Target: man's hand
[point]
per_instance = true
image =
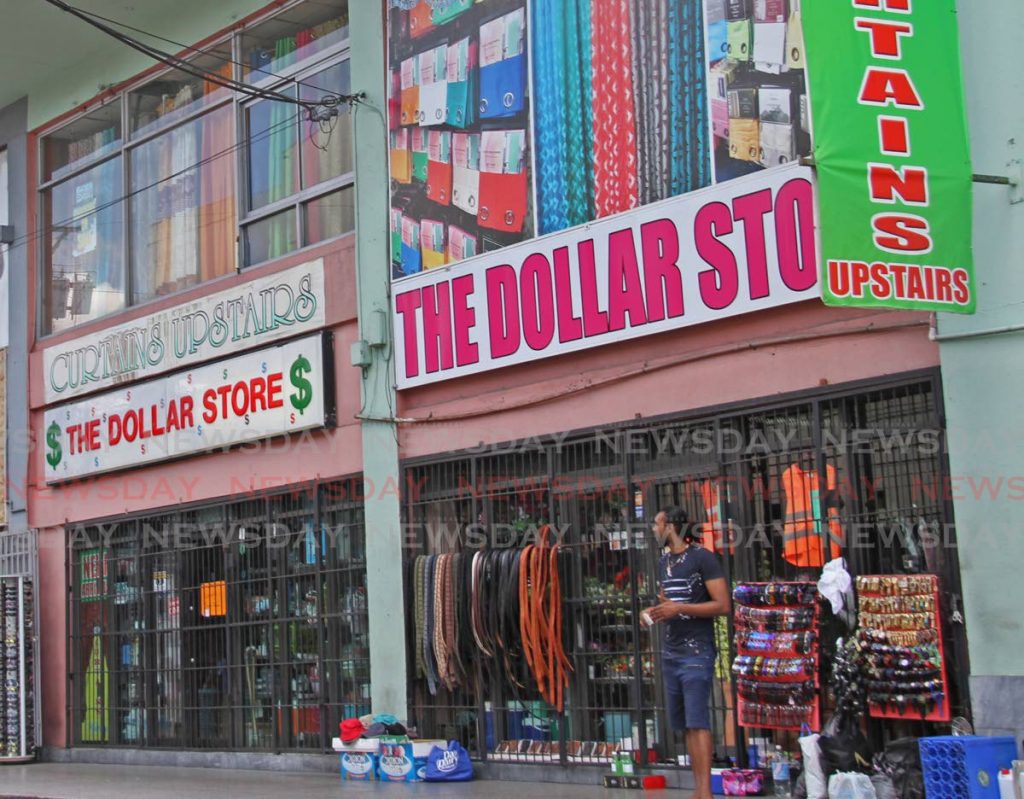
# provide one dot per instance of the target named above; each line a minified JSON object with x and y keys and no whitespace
{"x":665,"y":610}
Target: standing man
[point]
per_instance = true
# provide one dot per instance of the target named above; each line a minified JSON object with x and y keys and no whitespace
{"x":693,"y":592}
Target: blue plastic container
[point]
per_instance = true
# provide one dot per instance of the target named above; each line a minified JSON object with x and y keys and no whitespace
{"x":965,"y":766}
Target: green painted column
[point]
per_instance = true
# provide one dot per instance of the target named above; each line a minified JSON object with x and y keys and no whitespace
{"x":380,"y":444}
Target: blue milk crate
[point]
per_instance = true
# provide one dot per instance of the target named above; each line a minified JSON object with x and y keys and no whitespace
{"x":965,"y":766}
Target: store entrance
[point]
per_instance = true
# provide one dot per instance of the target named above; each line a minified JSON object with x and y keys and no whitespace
{"x":775,"y":490}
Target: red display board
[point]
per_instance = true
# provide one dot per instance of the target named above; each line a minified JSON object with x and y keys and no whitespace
{"x":777,"y":655}
{"x":901,"y":612}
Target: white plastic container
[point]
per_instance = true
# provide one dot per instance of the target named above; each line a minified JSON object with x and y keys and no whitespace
{"x":1006,"y":784}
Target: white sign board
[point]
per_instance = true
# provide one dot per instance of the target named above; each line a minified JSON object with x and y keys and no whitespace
{"x":277,"y":390}
{"x":743,"y":246}
{"x":240,"y":318}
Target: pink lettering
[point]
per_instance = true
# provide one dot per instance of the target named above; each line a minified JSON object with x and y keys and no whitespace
{"x":502,"y":310}
{"x":720,"y":284}
{"x":625,"y":292}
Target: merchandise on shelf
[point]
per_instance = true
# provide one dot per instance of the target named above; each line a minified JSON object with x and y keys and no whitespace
{"x":901,"y":647}
{"x":776,"y":664}
{"x":17,"y":711}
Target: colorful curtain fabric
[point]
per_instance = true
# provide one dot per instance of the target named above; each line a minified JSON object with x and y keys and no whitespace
{"x":620,"y":106}
{"x":690,"y":167}
{"x":563,"y":110}
{"x":281,"y":164}
{"x":615,"y":156}
{"x":217,"y":191}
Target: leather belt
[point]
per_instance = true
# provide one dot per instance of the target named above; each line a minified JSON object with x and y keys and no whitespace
{"x":504,"y":604}
{"x":540,"y":620}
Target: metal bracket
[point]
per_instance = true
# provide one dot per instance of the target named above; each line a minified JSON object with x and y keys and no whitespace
{"x":1015,"y":168}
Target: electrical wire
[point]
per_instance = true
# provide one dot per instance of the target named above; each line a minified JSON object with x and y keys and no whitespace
{"x":328,"y":101}
{"x":199,"y":50}
{"x":178,"y":63}
{"x":266,"y":133}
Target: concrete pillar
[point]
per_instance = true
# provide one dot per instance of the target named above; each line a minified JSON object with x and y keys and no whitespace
{"x":380,"y":445}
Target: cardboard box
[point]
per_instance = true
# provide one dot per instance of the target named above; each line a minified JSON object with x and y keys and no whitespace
{"x":371,"y":745}
{"x":397,"y":763}
{"x":359,"y":766}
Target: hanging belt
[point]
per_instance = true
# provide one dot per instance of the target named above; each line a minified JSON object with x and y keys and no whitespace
{"x":440,"y":598}
{"x":540,"y":621}
{"x":456,"y":613}
{"x":418,"y":586}
{"x":428,"y":632}
{"x":476,"y":604}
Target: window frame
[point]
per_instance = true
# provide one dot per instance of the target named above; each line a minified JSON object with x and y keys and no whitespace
{"x":312,"y":64}
{"x":247,"y":217}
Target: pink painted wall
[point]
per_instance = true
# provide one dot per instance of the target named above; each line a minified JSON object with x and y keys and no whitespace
{"x":796,"y":347}
{"x":323,"y":454}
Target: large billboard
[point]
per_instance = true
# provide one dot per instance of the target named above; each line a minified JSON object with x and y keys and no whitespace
{"x":516,"y":118}
{"x":520,"y":120}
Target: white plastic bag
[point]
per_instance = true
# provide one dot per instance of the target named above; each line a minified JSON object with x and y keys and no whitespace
{"x":814,"y":777}
{"x":850,"y":785}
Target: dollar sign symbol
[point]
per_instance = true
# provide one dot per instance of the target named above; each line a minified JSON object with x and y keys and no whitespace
{"x":53,"y":442}
{"x":304,"y":394}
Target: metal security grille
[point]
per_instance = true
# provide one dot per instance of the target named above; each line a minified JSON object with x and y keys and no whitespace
{"x":876,"y":451}
{"x":236,"y":626}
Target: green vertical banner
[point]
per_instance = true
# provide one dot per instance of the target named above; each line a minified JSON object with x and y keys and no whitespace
{"x":891,"y":153}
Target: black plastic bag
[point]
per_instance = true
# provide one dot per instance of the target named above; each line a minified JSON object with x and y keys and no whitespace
{"x":844,"y":747}
{"x":901,"y":763}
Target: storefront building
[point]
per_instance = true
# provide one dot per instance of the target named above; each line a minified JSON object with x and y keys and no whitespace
{"x":348,"y":291}
{"x":197,"y":484}
{"x":606,"y":301}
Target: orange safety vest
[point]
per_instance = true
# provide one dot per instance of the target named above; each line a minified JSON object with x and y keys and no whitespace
{"x":711,"y":530}
{"x":801,"y":530}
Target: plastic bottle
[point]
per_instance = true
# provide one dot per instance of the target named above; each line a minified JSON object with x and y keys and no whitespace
{"x":780,"y":772}
{"x":1006,"y":784}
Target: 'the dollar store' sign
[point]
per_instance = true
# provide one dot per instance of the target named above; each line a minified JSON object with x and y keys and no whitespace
{"x":270,"y":392}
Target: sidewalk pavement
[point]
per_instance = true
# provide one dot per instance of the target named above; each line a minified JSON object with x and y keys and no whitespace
{"x":91,"y":781}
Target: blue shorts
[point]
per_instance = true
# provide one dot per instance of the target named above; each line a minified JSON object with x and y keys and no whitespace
{"x":689,"y":673}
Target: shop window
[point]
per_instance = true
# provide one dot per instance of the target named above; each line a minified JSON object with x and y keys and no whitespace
{"x":239,"y":626}
{"x":84,"y":274}
{"x":292,"y":161}
{"x":183,"y":215}
{"x":89,"y":138}
{"x":271,"y":237}
{"x":330,"y":215}
{"x":293,"y":38}
{"x":171,"y":149}
{"x":175,"y":95}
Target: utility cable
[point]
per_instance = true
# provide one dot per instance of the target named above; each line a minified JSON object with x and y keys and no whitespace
{"x":328,"y":101}
{"x":266,"y":133}
{"x":199,"y":50}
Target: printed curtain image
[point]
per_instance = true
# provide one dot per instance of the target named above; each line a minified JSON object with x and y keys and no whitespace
{"x":891,"y":154}
{"x":515,"y":118}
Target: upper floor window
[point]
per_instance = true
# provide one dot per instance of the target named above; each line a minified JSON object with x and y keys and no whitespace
{"x":179,"y":179}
